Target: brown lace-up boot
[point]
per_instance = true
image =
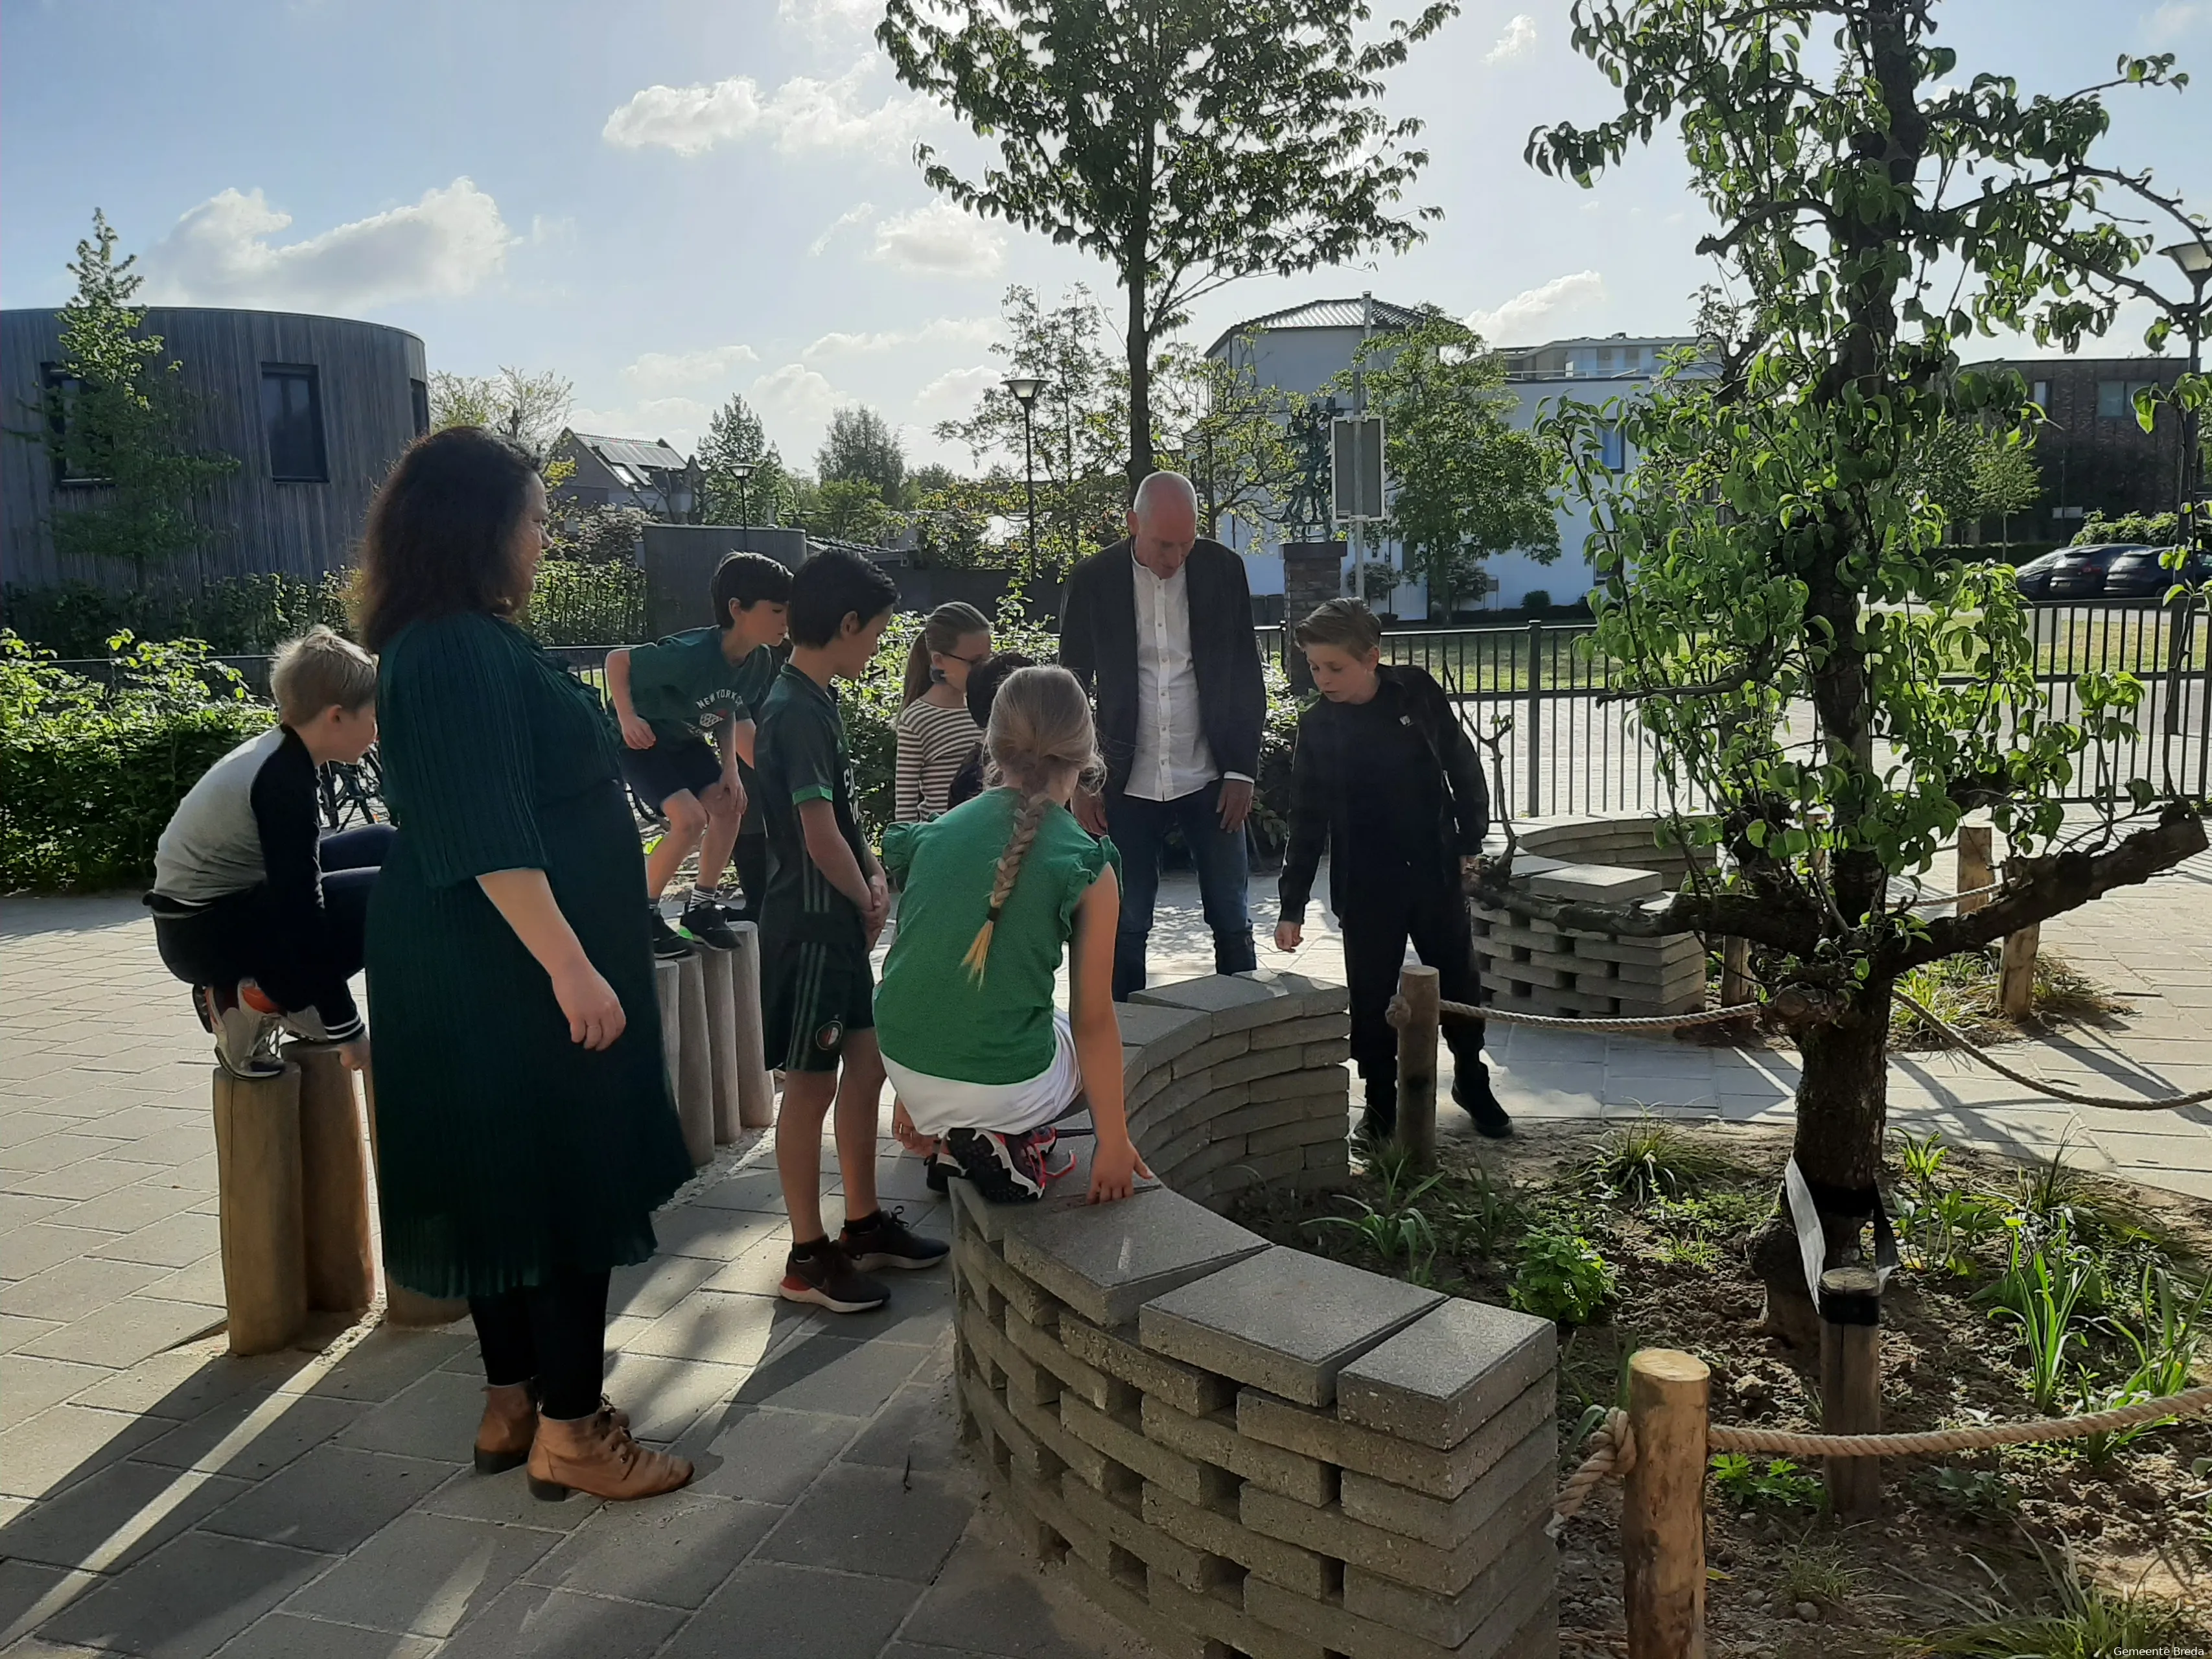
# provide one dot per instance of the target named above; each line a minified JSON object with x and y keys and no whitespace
{"x":597,"y":1455}
{"x":510,"y":1424}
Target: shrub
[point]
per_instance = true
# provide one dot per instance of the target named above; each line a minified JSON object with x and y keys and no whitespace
{"x":89,"y":774}
{"x":575,"y":603}
{"x":237,"y":616}
{"x":1536,"y":599}
{"x":2157,"y":529}
{"x":1561,"y":1276}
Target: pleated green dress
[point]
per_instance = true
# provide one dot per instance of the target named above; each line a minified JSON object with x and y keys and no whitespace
{"x":506,"y":1151}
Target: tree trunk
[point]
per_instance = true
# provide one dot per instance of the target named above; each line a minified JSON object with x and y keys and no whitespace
{"x":1843,"y":1098}
{"x":1140,"y":385}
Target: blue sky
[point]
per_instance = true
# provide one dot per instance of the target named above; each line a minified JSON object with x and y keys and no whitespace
{"x":669,"y":201}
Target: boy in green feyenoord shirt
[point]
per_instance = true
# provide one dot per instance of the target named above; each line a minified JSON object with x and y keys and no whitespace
{"x":667,"y":695}
{"x":826,"y":903}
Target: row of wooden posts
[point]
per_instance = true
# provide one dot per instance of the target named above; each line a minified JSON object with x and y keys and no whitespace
{"x":294,"y":1165}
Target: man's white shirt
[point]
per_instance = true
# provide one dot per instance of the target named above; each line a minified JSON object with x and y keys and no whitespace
{"x":1172,"y":757}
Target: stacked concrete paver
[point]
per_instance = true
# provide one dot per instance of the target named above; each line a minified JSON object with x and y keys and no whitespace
{"x":1237,"y":1448}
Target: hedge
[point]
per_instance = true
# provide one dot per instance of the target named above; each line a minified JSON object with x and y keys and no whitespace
{"x":89,"y":775}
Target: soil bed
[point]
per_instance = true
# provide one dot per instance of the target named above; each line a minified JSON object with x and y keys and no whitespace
{"x":1971,"y":1537}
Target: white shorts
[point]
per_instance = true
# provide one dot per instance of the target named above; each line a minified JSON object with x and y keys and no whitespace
{"x":939,"y":1105}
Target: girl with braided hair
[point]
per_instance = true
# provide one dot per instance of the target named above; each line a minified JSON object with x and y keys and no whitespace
{"x":993,"y":893}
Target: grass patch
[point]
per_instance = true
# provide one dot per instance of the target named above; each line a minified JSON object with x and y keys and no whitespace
{"x":1651,"y":1160}
{"x":2073,"y":1617}
{"x":1962,"y":992}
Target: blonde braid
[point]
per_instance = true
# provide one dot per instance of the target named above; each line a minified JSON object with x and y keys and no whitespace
{"x":1026,"y":824}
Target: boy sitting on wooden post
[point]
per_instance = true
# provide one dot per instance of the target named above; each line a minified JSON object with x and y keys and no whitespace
{"x":253,"y":906}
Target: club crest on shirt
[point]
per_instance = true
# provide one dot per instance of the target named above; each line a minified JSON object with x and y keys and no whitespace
{"x":829,"y":1036}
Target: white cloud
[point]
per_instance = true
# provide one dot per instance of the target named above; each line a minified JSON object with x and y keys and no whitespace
{"x":659,"y":371}
{"x":941,"y":239}
{"x":794,"y":395}
{"x":221,"y":252}
{"x":852,"y":215}
{"x":953,"y":394}
{"x":829,"y":21}
{"x":802,"y":114}
{"x":960,"y":330}
{"x":1532,"y":308}
{"x":1519,"y":36}
{"x":2175,"y":19}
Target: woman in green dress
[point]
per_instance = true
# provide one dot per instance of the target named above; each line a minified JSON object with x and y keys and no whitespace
{"x":525,"y":1134}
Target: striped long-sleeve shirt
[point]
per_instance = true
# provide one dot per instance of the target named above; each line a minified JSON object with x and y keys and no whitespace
{"x":932,"y":742}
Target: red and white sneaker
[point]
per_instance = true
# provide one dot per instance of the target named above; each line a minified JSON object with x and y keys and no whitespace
{"x":245,"y":1036}
{"x":1007,"y":1169}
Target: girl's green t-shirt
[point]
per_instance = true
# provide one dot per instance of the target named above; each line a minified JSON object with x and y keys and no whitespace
{"x":930,"y":1014}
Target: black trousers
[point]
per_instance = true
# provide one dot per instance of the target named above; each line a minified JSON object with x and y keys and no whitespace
{"x":1381,"y":914}
{"x":750,"y":858}
{"x":242,"y":935}
{"x":553,"y":1335}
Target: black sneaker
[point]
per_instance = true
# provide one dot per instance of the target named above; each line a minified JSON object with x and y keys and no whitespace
{"x":942,"y":1167}
{"x":1471,"y":1092}
{"x":827,"y":1278}
{"x":885,"y":1240}
{"x":668,"y":945}
{"x":707,"y":921}
{"x":1006,"y":1169}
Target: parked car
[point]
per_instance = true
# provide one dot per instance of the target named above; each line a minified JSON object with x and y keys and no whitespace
{"x":2034,"y":578}
{"x":2140,"y":573}
{"x":2079,"y":572}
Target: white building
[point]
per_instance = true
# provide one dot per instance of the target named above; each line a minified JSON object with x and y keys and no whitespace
{"x":1300,"y":351}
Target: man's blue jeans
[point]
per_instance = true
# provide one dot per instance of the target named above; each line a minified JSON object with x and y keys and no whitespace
{"x":1140,"y":828}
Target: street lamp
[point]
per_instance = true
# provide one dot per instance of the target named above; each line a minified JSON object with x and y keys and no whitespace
{"x":742,"y":470}
{"x":1025,"y":388}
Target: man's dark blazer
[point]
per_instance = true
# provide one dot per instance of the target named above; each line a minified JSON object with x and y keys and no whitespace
{"x":1098,"y":643}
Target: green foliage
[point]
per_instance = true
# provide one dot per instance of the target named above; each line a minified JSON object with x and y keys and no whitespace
{"x":578,"y":604}
{"x":1560,"y":1275}
{"x":1983,"y":1492}
{"x":1185,"y":144}
{"x":1396,"y":1230}
{"x":1782,"y":1482}
{"x":2074,"y":1616}
{"x":2151,"y":529}
{"x":2165,"y":1331}
{"x":88,"y":776}
{"x":2044,"y":1288}
{"x":860,"y":444}
{"x":1817,"y":1573}
{"x":734,"y":438}
{"x":1651,"y":1159}
{"x":117,"y":422}
{"x":1875,"y":203}
{"x":235,"y":617}
{"x":599,"y":535}
{"x":848,"y":509}
{"x":1469,"y":485}
{"x":531,"y":409}
{"x":1972,"y":470}
{"x":1478,"y":1222}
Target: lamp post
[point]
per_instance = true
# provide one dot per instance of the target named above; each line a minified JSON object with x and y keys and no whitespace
{"x":1025,"y":388}
{"x":742,"y":470}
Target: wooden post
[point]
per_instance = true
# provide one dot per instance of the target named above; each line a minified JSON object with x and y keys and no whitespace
{"x":668,"y":989}
{"x":1663,"y":1512}
{"x":1850,"y":1384}
{"x":756,"y":1090}
{"x":2016,"y":973}
{"x":1416,"y":1065}
{"x":1735,"y":972}
{"x":341,"y":1256}
{"x":695,"y":1068}
{"x":1974,"y":869}
{"x":256,"y":1152}
{"x":722,"y":1041}
{"x":410,"y":1310}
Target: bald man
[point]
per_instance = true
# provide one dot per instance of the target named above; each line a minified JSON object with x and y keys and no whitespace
{"x":1159,"y":626}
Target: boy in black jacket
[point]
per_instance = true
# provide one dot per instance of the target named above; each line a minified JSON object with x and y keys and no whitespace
{"x":1386,"y":777}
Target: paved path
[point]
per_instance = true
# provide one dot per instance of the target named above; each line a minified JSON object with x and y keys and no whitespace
{"x":158,"y":1498}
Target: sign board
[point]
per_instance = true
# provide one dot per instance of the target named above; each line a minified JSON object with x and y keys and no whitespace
{"x":1355,"y":476}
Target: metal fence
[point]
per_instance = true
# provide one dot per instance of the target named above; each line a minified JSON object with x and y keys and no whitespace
{"x":1568,"y":742}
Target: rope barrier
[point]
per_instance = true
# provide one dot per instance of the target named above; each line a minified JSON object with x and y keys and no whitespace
{"x":1614,"y":1443}
{"x":2055,"y":1091}
{"x":1397,"y":1014}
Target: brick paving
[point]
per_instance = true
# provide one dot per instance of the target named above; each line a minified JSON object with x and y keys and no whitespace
{"x":159,"y":1498}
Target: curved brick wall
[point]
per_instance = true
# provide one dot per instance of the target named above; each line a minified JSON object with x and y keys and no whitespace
{"x":1236,"y":1448}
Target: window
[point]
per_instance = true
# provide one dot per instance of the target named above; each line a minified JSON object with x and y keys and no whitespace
{"x":292,"y":416}
{"x":418,"y":394}
{"x":2039,"y":394}
{"x":1614,"y":452}
{"x":2116,"y":399}
{"x":62,"y":390}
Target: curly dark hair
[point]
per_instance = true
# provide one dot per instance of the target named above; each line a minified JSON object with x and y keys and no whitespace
{"x":441,"y":534}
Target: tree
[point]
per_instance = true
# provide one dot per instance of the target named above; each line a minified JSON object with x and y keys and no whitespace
{"x":1972,"y":470}
{"x":1185,"y":143}
{"x":1877,"y":204}
{"x":531,"y":409}
{"x":849,"y":510}
{"x":1467,"y":484}
{"x":735,"y":437}
{"x":114,"y":419}
{"x":600,"y":535}
{"x":861,"y":444}
{"x":1229,"y":433}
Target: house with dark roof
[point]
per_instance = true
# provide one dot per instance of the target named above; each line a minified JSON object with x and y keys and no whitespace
{"x":648,"y":474}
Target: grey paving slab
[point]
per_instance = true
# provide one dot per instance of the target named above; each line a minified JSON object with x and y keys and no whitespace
{"x":841,"y":1377}
{"x":17,"y":1333}
{"x":75,"y":1286}
{"x":200,"y":1284}
{"x":186,"y":1599}
{"x":28,"y":1386}
{"x":424,"y":1574}
{"x":672,"y":1551}
{"x":506,"y":1499}
{"x":112,"y":1518}
{"x":713,"y":1235}
{"x":768,"y":1456}
{"x":729,"y":1330}
{"x":666,"y":1397}
{"x":652,"y":1288}
{"x":795,"y":1613}
{"x":915,"y":1430}
{"x":1438,"y":1379}
{"x":1284,"y":1320}
{"x":64,"y":1443}
{"x":988,"y":1601}
{"x":555,"y":1624}
{"x":42,"y":1245}
{"x":125,"y":1332}
{"x":295,"y":1425}
{"x":175,"y":1241}
{"x":390,"y":1359}
{"x":288,"y":1636}
{"x":1105,"y":1260}
{"x":87,"y":1178}
{"x":860,"y":1519}
{"x":330,"y":1500}
{"x":435,"y":1416}
{"x":183,"y":1383}
{"x":23,"y":1584}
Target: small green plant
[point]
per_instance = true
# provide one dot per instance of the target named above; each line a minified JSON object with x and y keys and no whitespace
{"x":1817,"y":1573}
{"x":2072,"y":1618}
{"x":1983,"y":1492}
{"x":2170,"y":1319}
{"x":1560,"y":1276}
{"x":1742,"y":1482}
{"x":1393,"y":1235}
{"x":1480,"y":1216}
{"x":2042,"y":1290}
{"x":1649,"y":1160}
